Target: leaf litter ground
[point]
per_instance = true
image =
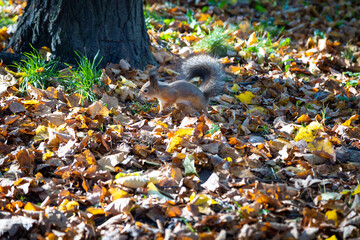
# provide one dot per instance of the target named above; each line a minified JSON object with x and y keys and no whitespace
{"x":278,"y":158}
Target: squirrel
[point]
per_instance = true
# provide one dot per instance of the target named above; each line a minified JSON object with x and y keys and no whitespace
{"x":206,"y":67}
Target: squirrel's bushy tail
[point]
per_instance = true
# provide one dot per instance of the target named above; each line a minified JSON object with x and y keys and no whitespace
{"x":209,"y":69}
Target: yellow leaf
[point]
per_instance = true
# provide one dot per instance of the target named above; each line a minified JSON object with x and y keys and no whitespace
{"x":307,"y":133}
{"x":245,"y":97}
{"x":47,"y":155}
{"x":174,"y":141}
{"x":119,"y":193}
{"x":322,"y":145}
{"x":255,"y":110}
{"x":152,"y":187}
{"x":127,"y":82}
{"x":62,"y":206}
{"x":41,"y":133}
{"x":97,"y":109}
{"x":72,"y":205}
{"x":202,"y":201}
{"x":313,"y":126}
{"x":190,"y":38}
{"x":333,"y":237}
{"x":247,"y":210}
{"x":350,"y":120}
{"x":357,"y":190}
{"x":17,"y":182}
{"x":176,"y":138}
{"x":192,"y":196}
{"x":219,"y":23}
{"x":235,"y":88}
{"x":118,"y":129}
{"x":62,"y":127}
{"x":31,"y":102}
{"x":184,"y":131}
{"x":51,"y":236}
{"x":95,"y":211}
{"x":67,"y":205}
{"x":332,"y":215}
{"x":252,"y":39}
{"x":345,"y":191}
{"x":164,"y":125}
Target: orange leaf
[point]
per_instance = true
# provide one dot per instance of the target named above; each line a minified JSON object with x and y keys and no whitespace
{"x":235,"y":69}
{"x":303,"y":118}
{"x":20,"y":204}
{"x":203,"y":17}
{"x":89,"y":157}
{"x":31,"y":207}
{"x":173,"y":211}
{"x":85,"y":185}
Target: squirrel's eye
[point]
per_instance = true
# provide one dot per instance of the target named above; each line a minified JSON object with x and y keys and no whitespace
{"x":145,"y":91}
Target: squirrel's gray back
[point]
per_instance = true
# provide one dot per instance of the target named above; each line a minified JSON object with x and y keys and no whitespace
{"x":208,"y":68}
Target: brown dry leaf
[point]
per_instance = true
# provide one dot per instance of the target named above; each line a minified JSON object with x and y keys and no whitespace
{"x":51,"y":93}
{"x":173,"y":211}
{"x":97,"y":109}
{"x":26,"y":160}
{"x":120,"y":206}
{"x":141,"y":150}
{"x":16,"y":107}
{"x":74,"y":100}
{"x":109,"y":102}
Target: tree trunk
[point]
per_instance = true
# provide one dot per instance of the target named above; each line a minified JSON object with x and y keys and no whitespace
{"x":115,"y":28}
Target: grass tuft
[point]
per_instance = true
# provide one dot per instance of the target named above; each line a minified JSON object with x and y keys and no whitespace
{"x":216,"y":42}
{"x":85,"y":77}
{"x":36,"y":71}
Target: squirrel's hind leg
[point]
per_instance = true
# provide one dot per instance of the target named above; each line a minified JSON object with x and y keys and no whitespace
{"x":201,"y":107}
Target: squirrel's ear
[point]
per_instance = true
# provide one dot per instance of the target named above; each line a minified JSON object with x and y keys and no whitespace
{"x":153,"y":78}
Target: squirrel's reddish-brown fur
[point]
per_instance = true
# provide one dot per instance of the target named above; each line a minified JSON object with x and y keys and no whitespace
{"x":204,"y":66}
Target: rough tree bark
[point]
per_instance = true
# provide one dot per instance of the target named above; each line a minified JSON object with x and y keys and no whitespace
{"x":115,"y":28}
